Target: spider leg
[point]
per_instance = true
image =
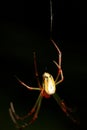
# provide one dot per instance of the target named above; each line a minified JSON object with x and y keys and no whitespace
{"x":59,"y":74}
{"x":15,"y":117}
{"x":12,"y":111}
{"x":36,"y":71}
{"x":64,"y":108}
{"x":59,"y":59}
{"x":60,"y":103}
{"x":36,"y":104}
{"x":25,"y":85}
{"x":58,"y":50}
{"x":37,"y":110}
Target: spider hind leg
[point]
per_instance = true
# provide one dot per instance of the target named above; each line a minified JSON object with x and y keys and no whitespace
{"x":15,"y":117}
{"x":68,"y":111}
{"x":35,"y":110}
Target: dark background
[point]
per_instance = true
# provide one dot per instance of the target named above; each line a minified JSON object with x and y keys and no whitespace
{"x":25,"y":28}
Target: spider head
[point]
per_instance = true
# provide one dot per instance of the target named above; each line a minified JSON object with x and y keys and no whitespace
{"x":49,"y":83}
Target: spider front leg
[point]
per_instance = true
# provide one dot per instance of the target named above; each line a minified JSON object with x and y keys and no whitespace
{"x":59,"y":62}
{"x":59,"y":52}
{"x":60,"y":73}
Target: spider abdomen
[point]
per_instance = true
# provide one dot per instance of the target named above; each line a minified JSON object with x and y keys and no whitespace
{"x":48,"y":83}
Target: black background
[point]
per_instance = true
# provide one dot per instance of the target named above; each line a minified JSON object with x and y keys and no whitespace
{"x":25,"y":28}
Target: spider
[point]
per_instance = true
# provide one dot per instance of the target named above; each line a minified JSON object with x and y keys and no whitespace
{"x":47,"y":89}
